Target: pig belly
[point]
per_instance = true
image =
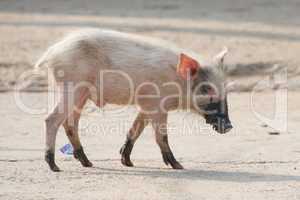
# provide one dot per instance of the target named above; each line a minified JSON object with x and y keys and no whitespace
{"x":113,"y":88}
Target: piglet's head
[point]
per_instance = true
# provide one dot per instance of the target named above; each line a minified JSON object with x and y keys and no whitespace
{"x":207,"y":89}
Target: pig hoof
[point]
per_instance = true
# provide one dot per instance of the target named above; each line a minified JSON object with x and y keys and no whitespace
{"x":169,"y":158}
{"x":125,"y":151}
{"x":50,"y":159}
{"x":80,"y":155}
{"x":177,"y":165}
{"x":55,"y":168}
{"x":126,"y":162}
{"x":86,"y":163}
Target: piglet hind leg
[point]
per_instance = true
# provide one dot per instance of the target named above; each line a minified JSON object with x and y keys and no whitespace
{"x":61,"y":115}
{"x":159,"y":124}
{"x":50,"y":159}
{"x":53,"y":122}
{"x":71,"y":130}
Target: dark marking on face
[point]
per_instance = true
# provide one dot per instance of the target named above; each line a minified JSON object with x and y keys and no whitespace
{"x":216,"y":114}
{"x":202,"y":76}
{"x":208,"y":83}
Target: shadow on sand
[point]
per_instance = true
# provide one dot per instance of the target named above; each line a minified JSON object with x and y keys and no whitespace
{"x":195,"y":174}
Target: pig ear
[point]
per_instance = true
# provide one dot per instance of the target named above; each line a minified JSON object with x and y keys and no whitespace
{"x":187,"y":67}
{"x":219,"y":59}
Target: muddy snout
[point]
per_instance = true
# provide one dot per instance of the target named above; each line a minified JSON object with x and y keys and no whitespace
{"x":222,"y":126}
{"x":217,"y":116}
{"x":220,"y":123}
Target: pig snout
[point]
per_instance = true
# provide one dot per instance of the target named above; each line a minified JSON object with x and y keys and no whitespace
{"x":222,"y":126}
{"x":220,"y":122}
{"x":217,"y":116}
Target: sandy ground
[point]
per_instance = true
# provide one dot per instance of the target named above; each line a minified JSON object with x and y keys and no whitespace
{"x":248,"y":163}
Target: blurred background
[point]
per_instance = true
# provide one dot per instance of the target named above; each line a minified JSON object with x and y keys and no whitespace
{"x":263,"y":35}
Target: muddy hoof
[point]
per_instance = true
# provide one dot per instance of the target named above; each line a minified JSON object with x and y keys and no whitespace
{"x":54,"y":168}
{"x":50,"y":159}
{"x":169,"y":158}
{"x":125,"y":152}
{"x":177,"y":165}
{"x":126,"y":162}
{"x":80,"y":155}
{"x":86,"y":164}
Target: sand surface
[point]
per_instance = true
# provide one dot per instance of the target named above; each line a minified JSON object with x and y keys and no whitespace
{"x":248,"y":163}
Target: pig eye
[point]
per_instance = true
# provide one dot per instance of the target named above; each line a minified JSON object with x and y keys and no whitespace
{"x":206,"y":89}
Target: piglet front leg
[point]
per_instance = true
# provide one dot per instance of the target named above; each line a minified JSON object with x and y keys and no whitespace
{"x":159,"y":123}
{"x":139,"y":124}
